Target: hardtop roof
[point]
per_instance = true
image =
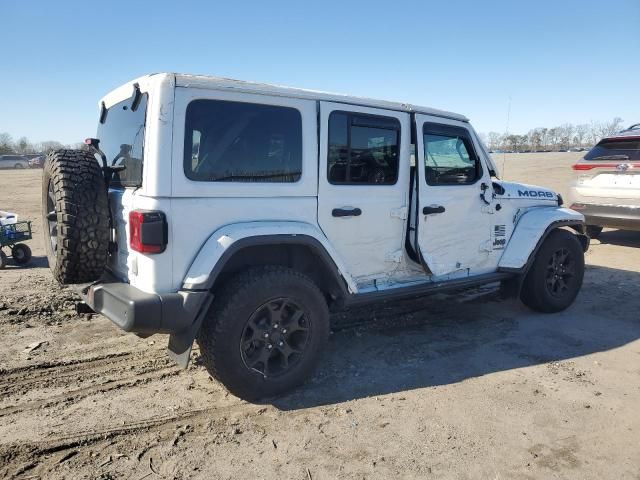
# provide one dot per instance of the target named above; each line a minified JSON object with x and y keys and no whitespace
{"x":219,"y":83}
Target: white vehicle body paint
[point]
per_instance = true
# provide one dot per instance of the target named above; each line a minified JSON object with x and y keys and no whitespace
{"x":224,"y":239}
{"x":205,"y":218}
{"x":371,"y":242}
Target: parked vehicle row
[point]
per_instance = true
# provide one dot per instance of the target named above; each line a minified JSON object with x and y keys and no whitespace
{"x":22,"y":161}
{"x":13,"y":161}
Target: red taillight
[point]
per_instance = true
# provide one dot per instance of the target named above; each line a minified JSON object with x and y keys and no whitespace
{"x":147,"y":231}
{"x":591,"y":166}
{"x":610,"y":166}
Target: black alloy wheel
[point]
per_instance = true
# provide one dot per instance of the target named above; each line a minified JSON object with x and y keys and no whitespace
{"x":274,"y":339}
{"x":560,"y":272}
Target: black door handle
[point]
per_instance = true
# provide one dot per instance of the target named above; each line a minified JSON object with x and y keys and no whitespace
{"x":429,"y":210}
{"x":346,"y":212}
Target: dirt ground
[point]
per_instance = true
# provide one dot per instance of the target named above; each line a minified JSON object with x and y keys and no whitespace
{"x":465,"y":387}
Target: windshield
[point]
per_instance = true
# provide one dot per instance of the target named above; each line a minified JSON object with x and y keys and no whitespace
{"x":122,"y":140}
{"x":615,"y":149}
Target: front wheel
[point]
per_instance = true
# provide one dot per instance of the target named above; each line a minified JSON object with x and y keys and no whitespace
{"x":555,"y":278}
{"x":3,"y":260}
{"x":265,"y":332}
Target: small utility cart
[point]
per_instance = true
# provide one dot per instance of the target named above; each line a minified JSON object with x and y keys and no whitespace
{"x":10,"y":236}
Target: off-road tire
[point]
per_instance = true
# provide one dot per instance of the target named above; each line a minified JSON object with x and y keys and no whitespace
{"x":3,"y":260}
{"x":80,"y":203}
{"x":535,"y":291}
{"x":21,"y":253}
{"x":593,"y":231}
{"x":220,"y":336}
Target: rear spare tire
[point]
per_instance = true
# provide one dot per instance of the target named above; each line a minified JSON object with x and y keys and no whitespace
{"x":75,"y":216}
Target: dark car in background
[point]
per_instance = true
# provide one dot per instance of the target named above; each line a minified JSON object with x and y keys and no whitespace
{"x":13,"y":161}
{"x":36,"y":161}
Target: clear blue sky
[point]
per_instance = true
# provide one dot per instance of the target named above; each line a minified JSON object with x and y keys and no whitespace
{"x":559,"y":60}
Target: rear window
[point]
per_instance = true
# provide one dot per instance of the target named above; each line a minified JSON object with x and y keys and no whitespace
{"x":242,"y":142}
{"x":121,"y":138}
{"x":615,"y":149}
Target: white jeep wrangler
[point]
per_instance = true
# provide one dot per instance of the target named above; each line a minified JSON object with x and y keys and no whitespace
{"x":240,"y":214}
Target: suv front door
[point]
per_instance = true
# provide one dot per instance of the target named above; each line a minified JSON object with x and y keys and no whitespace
{"x":363,"y":186}
{"x":454,"y":222}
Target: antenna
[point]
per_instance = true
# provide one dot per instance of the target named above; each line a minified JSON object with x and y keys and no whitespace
{"x":506,"y":134}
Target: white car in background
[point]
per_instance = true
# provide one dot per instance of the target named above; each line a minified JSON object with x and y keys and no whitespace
{"x":13,"y":161}
{"x":606,"y":189}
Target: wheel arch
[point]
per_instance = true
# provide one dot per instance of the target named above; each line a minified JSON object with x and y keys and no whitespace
{"x":296,"y":245}
{"x":532,"y":229}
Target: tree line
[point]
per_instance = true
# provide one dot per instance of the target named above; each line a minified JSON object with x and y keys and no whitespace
{"x":23,"y":146}
{"x":562,"y":137}
{"x":541,"y":139}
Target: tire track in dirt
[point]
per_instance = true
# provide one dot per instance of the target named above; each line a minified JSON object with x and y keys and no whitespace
{"x":74,"y":370}
{"x":30,"y":454}
{"x":114,"y":371}
{"x":73,"y":396}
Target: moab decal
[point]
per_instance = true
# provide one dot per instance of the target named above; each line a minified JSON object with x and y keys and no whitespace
{"x":535,"y":194}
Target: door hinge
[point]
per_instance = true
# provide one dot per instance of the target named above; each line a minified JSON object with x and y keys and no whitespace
{"x":395,"y":257}
{"x":400,"y":213}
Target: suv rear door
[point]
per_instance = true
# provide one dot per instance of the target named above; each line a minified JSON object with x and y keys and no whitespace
{"x":454,"y":228}
{"x":363,"y":186}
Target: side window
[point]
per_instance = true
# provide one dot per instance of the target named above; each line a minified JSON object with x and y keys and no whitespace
{"x":449,"y":156}
{"x":363,"y":149}
{"x":242,"y":142}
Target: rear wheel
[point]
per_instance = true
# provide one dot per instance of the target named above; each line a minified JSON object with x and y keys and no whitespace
{"x":265,"y":332}
{"x":21,"y":253}
{"x":555,"y":278}
{"x":593,"y":231}
{"x":3,"y":260}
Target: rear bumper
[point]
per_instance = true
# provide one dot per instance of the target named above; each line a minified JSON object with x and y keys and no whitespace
{"x":133,"y":310}
{"x":615,"y":216}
